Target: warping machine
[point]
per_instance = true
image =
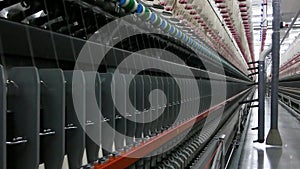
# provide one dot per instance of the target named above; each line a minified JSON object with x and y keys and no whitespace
{"x":181,"y":104}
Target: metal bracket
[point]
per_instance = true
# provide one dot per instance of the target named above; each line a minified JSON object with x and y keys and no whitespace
{"x":47,"y":132}
{"x":70,"y":127}
{"x":17,"y":141}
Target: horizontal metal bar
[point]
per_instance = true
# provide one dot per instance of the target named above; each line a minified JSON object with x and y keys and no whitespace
{"x":255,"y":73}
{"x":253,"y":84}
{"x":248,"y":101}
{"x":289,"y":63}
{"x":290,"y":27}
{"x":249,"y":63}
{"x":254,"y":68}
{"x":152,"y":144}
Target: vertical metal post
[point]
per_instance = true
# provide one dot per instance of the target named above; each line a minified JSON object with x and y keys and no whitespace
{"x":261,"y":95}
{"x":274,"y":135}
{"x":261,"y":79}
{"x":3,"y":112}
{"x":223,"y":154}
{"x":261,"y":101}
{"x":275,"y":63}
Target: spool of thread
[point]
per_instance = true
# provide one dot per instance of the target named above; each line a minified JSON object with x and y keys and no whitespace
{"x":155,"y":20}
{"x":143,"y":12}
{"x":129,"y":5}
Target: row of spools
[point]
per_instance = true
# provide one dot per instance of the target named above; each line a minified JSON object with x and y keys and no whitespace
{"x":146,"y":14}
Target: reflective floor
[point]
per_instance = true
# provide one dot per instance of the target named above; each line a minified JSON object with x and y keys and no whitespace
{"x":262,"y":156}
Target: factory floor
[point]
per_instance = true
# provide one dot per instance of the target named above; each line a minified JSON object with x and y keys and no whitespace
{"x":262,"y":156}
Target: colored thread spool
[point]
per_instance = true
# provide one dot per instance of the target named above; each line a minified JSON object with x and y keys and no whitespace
{"x":155,"y":20}
{"x":129,"y":5}
{"x":143,"y":12}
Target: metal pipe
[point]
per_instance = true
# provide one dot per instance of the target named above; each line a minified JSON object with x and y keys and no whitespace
{"x":290,"y":27}
{"x":264,"y":25}
{"x":274,"y":135}
{"x":275,"y":63}
{"x":261,"y":94}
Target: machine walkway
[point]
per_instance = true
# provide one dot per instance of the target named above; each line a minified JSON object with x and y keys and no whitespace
{"x":262,"y":156}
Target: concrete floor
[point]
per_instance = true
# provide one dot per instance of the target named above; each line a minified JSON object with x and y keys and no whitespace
{"x":262,"y":156}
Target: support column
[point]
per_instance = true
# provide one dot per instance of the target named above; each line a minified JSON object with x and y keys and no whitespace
{"x":261,"y":102}
{"x":261,"y":94}
{"x":274,"y":135}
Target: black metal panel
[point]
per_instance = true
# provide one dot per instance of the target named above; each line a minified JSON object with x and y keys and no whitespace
{"x":119,"y":96}
{"x":23,"y":118}
{"x":166,"y":112}
{"x":154,"y":104}
{"x":147,"y":110}
{"x":3,"y":91}
{"x":205,"y":94}
{"x":153,"y":98}
{"x":75,"y":117}
{"x":52,"y":122}
{"x":131,"y":115}
{"x":186,"y":111}
{"x":177,"y":100}
{"x":201,"y":107}
{"x":196,"y":97}
{"x":190,"y":98}
{"x":182,"y":101}
{"x":138,"y":91}
{"x":161,"y":100}
{"x":171,"y":107}
{"x":52,"y":118}
{"x":108,"y":114}
{"x":29,"y":42}
{"x":93,"y":123}
{"x":160,"y":105}
{"x":65,"y":48}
